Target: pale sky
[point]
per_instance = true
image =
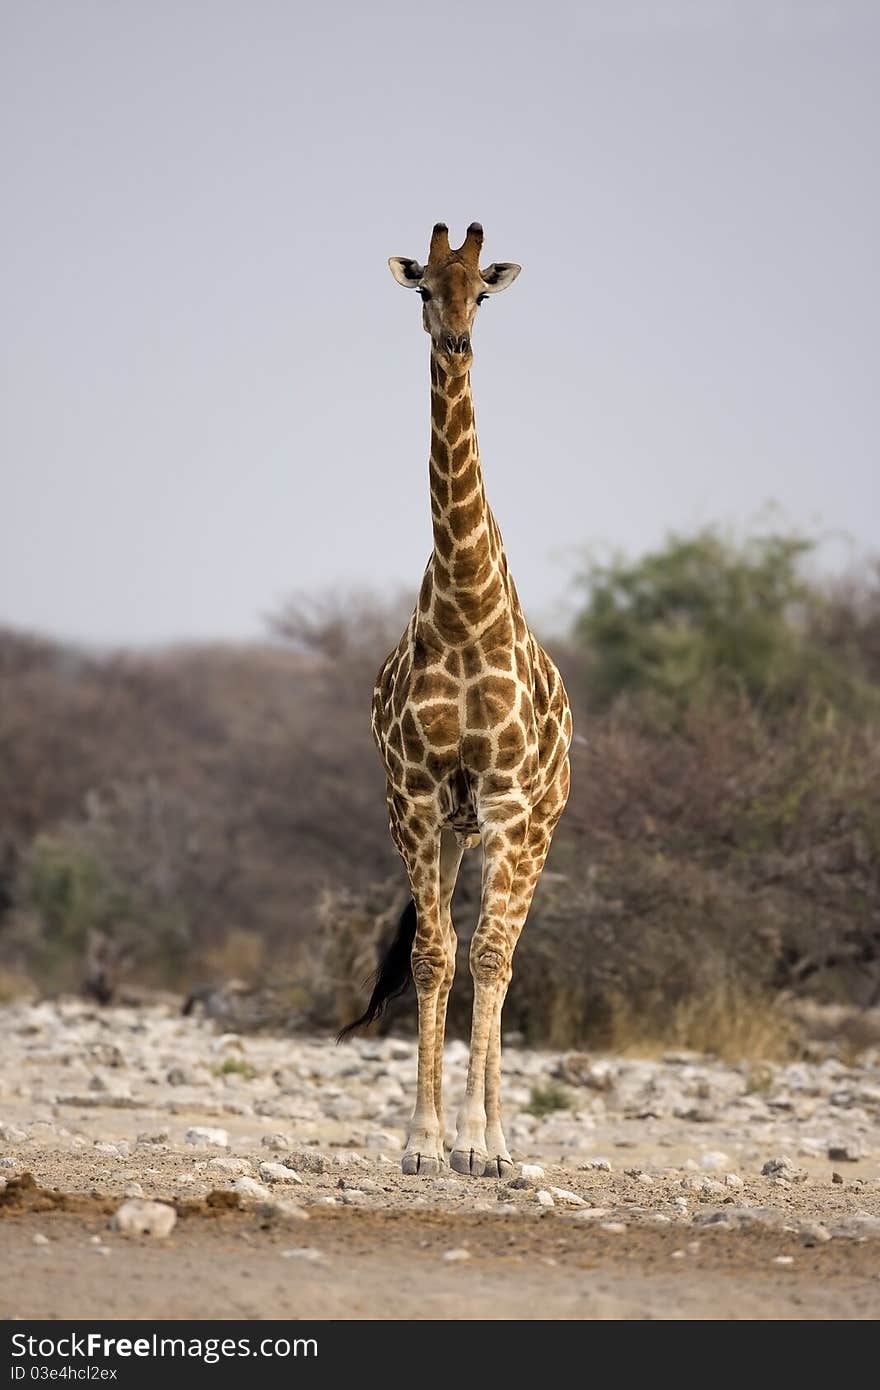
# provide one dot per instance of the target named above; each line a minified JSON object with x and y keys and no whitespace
{"x":213,"y":392}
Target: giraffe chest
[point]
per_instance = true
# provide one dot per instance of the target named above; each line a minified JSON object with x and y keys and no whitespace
{"x":436,"y":729}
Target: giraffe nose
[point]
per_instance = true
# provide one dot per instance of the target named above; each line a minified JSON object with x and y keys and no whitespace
{"x":460,"y":344}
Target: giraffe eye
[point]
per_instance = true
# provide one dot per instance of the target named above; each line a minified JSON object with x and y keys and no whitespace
{"x":425,"y":294}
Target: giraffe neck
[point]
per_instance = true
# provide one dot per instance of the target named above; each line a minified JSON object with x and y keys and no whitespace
{"x":467,"y":577}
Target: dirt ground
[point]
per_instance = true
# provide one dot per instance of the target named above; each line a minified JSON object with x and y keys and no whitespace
{"x":391,"y":1265}
{"x":678,"y":1221}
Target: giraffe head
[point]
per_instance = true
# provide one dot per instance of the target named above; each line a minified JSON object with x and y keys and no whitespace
{"x":451,"y":287}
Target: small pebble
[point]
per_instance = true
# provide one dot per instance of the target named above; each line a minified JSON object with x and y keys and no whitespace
{"x":454,"y":1256}
{"x":250,"y":1188}
{"x":713,"y":1159}
{"x":279,"y":1143}
{"x":135,"y":1218}
{"x":571,"y":1199}
{"x":279,"y":1172}
{"x":204,"y":1135}
{"x":845,"y":1153}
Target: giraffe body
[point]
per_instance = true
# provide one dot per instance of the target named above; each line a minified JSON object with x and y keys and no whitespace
{"x":473,"y":726}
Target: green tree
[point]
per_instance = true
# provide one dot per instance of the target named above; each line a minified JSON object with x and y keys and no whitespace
{"x":706,"y":616}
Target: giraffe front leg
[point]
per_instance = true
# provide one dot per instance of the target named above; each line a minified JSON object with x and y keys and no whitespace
{"x":424,"y":1151}
{"x":499,"y":1164}
{"x":491,"y":949}
{"x":528,"y":870}
{"x":450,"y":860}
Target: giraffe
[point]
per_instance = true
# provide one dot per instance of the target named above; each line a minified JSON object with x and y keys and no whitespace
{"x":473,"y":727}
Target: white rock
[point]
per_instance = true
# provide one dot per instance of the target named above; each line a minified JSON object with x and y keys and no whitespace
{"x":308,"y":1161}
{"x":153,"y":1136}
{"x":134,"y":1189}
{"x":783,"y":1259}
{"x":454,"y":1256}
{"x":534,"y":1171}
{"x":712,"y":1160}
{"x":783,"y":1167}
{"x":204,"y":1136}
{"x":278,"y":1172}
{"x":11,"y":1134}
{"x":253,"y":1190}
{"x":280,"y":1143}
{"x":616,"y":1228}
{"x":592,"y":1213}
{"x":850,"y":1152}
{"x":544,"y":1198}
{"x":283,"y":1209}
{"x":136,"y":1218}
{"x":228,"y":1164}
{"x":571,"y":1199}
{"x":303,"y":1252}
{"x":382,"y":1139}
{"x":40,"y":1239}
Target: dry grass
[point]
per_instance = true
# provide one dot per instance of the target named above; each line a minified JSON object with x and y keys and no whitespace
{"x":15,"y":984}
{"x":728,"y":1021}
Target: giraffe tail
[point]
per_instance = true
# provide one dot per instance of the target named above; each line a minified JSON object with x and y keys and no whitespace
{"x":393,"y":975}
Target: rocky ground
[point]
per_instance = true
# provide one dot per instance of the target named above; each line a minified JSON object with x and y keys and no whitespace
{"x":670,"y":1187}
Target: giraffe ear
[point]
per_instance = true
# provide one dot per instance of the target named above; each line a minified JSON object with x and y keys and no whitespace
{"x":498,"y":275}
{"x":406,"y":272}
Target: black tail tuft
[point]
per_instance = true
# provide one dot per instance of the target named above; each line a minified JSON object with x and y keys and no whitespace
{"x":393,"y":975}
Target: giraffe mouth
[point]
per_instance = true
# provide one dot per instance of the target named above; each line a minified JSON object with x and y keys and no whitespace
{"x":456,"y":363}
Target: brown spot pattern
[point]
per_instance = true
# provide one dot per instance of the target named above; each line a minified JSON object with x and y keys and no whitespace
{"x":469,"y":713}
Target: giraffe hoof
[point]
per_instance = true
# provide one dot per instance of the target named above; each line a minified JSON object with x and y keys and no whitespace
{"x":469,"y":1162}
{"x":500,"y":1167}
{"x":426,"y":1165}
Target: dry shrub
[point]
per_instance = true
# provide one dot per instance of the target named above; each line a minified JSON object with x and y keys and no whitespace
{"x":729,"y":1020}
{"x":240,"y":955}
{"x":218,"y":814}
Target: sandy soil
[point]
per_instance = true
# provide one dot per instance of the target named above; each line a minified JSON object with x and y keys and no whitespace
{"x":647,"y":1211}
